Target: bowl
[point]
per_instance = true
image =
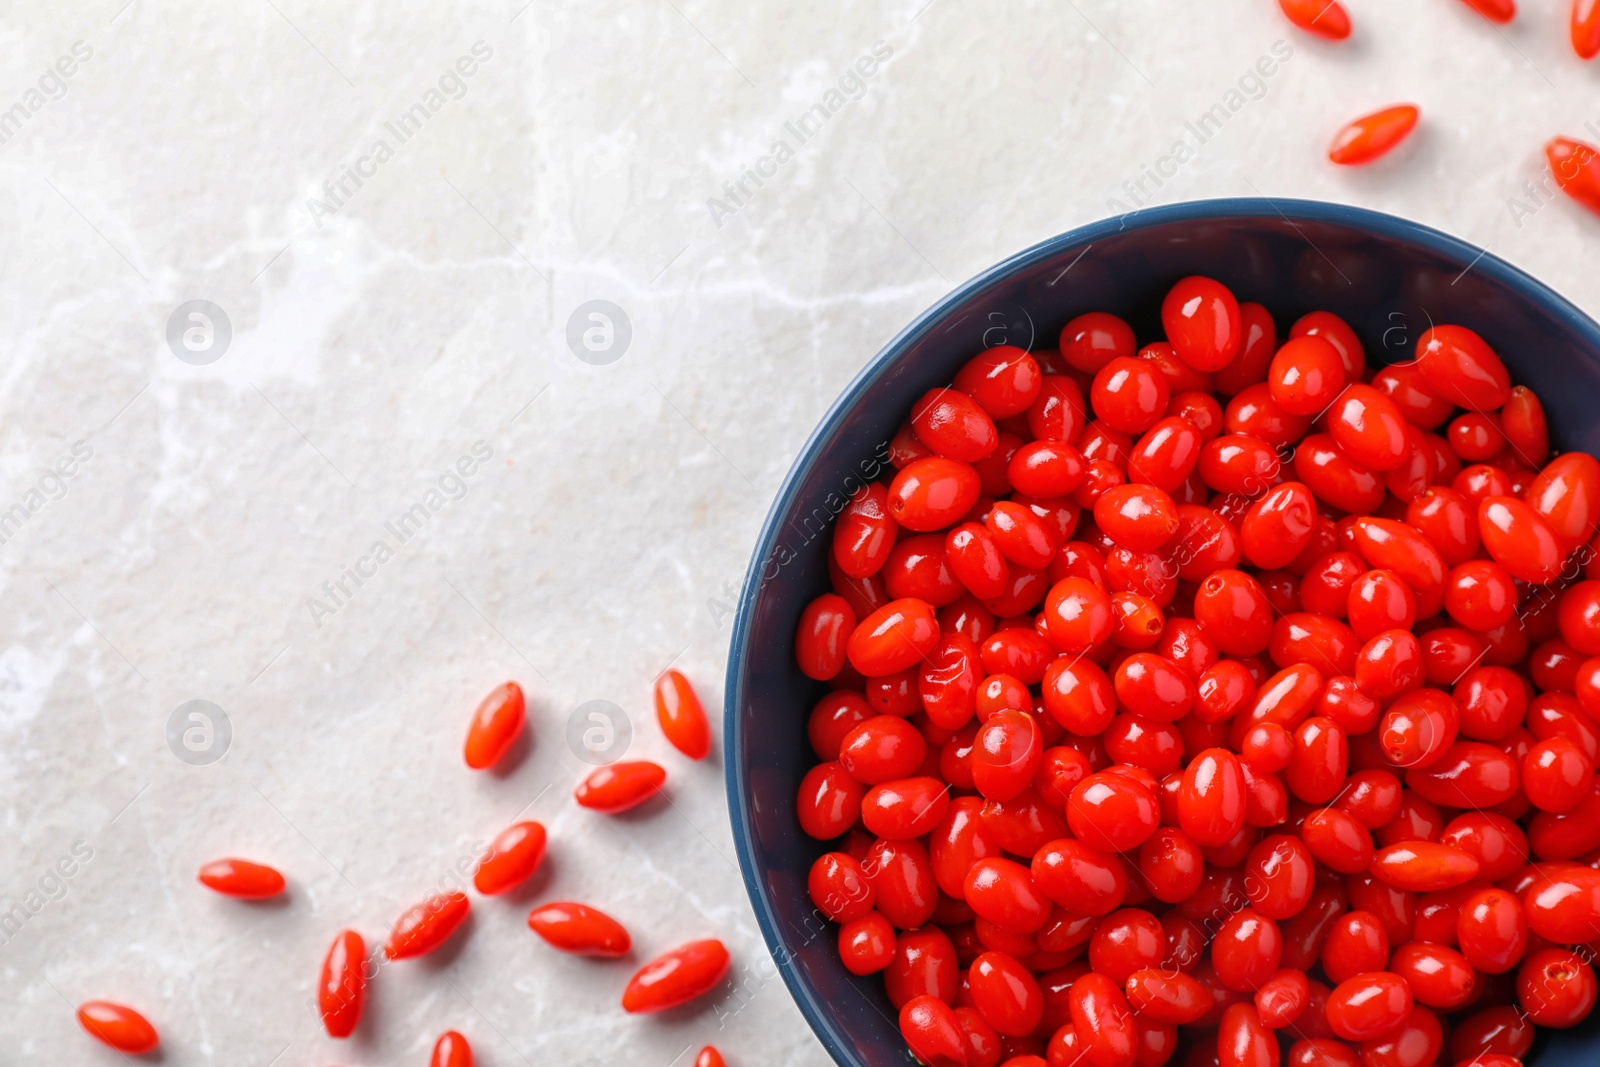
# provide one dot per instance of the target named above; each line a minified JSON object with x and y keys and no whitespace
{"x":1388,"y":277}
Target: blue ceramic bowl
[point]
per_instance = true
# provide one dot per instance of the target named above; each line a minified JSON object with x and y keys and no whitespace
{"x":1389,"y":278}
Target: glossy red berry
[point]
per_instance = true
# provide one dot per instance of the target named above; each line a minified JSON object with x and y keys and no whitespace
{"x":1368,"y":1005}
{"x":1389,"y":664}
{"x":1058,"y":414}
{"x":1556,"y":987}
{"x":342,"y":986}
{"x":1566,"y":493}
{"x":1166,"y":996}
{"x":1337,"y":840}
{"x":950,"y":424}
{"x":1021,"y":535}
{"x":1112,"y":812}
{"x":867,"y":944}
{"x":1278,"y":876}
{"x":427,"y":926}
{"x":1364,"y":139}
{"x":1246,"y":950}
{"x":1480,"y":595}
{"x":1233,"y":610}
{"x":896,"y":636}
{"x":1282,"y":998}
{"x":1368,"y":427}
{"x":933,"y":1031}
{"x":882,"y":749}
{"x":1556,"y":775}
{"x":1306,"y":375}
{"x":619,"y":786}
{"x":1046,"y":469}
{"x":1092,"y":340}
{"x":1239,"y":463}
{"x":1211,"y":802}
{"x":819,"y":642}
{"x":906,"y":807}
{"x":495,"y":726}
{"x":1080,"y":877}
{"x":1167,"y":454}
{"x":1129,"y":395}
{"x":579,"y":929}
{"x":1103,"y":1021}
{"x":1398,"y":547}
{"x":924,"y":964}
{"x":1006,"y":994}
{"x":1459,"y":366}
{"x":1424,"y":866}
{"x":1338,"y":333}
{"x":864,"y":533}
{"x":1492,"y":930}
{"x":1278,"y":527}
{"x":931,"y":493}
{"x":1006,"y":755}
{"x":1565,"y":908}
{"x":118,"y":1026}
{"x":514,"y":855}
{"x":1520,"y":539}
{"x":1244,"y":1040}
{"x":829,"y":801}
{"x":903,"y":879}
{"x":1335,"y":478}
{"x":1318,"y":761}
{"x":676,"y":977}
{"x":242,"y":879}
{"x":1499,"y":845}
{"x":1149,"y":686}
{"x":1078,"y":615}
{"x":1004,"y":380}
{"x":682,"y":718}
{"x":1502,"y":1030}
{"x":1355,"y":942}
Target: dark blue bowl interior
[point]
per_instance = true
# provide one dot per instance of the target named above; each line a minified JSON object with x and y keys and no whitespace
{"x":1389,"y":278}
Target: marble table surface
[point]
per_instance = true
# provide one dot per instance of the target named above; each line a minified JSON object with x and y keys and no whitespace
{"x":359,"y":357}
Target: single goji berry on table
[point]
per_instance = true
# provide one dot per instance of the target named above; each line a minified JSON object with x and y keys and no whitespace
{"x":1364,"y":139}
{"x":676,"y":977}
{"x":496,"y":725}
{"x":118,"y":1026}
{"x":342,"y":987}
{"x":242,"y":879}
{"x":579,"y":929}
{"x":1586,"y":28}
{"x":682,"y":718}
{"x":513,"y":856}
{"x":619,"y":786}
{"x":427,"y":926}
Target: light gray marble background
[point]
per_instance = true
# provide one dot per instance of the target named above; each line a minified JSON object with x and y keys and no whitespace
{"x":383,"y":331}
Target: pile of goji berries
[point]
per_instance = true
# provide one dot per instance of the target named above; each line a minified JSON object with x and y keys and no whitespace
{"x":668,"y":981}
{"x":1220,"y":696}
{"x":1574,"y":164}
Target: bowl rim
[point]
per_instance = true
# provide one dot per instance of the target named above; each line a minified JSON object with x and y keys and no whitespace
{"x":818,"y":1015}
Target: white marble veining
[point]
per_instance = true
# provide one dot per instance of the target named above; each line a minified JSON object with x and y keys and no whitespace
{"x":399,"y":208}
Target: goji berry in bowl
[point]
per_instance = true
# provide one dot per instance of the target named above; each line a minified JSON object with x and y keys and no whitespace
{"x":1382,"y":279}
